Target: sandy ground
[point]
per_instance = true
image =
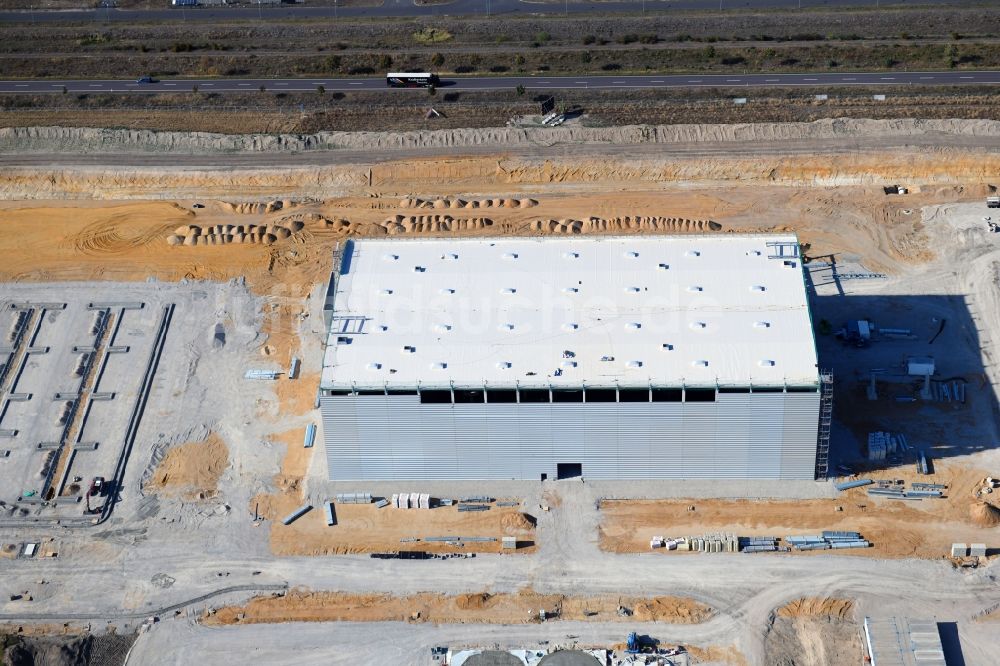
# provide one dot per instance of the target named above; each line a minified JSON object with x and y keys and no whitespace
{"x":897,"y":529}
{"x":514,"y":608}
{"x":192,"y":469}
{"x":813,"y":632}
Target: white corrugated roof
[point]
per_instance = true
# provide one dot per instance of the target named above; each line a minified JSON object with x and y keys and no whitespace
{"x":568,"y":312}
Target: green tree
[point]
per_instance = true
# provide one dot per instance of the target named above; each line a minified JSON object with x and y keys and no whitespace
{"x":519,"y":90}
{"x":321,"y":89}
{"x":384,"y":61}
{"x":437,"y":59}
{"x":519,"y":60}
{"x":333,"y":63}
{"x":431,"y":91}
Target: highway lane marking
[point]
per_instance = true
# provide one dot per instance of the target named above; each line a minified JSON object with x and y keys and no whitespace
{"x":656,"y":81}
{"x":56,"y":85}
{"x":965,"y":77}
{"x":353,"y":83}
{"x":243,"y":84}
{"x":170,"y":84}
{"x":926,"y":77}
{"x":848,"y":79}
{"x":208,"y":84}
{"x":583,"y":82}
{"x":20,"y":85}
{"x":771,"y":80}
{"x":810,"y":79}
{"x":888,"y":78}
{"x":95,"y":85}
{"x":694,"y":81}
{"x":733,"y":80}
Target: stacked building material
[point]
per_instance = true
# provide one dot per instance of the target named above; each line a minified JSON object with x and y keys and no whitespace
{"x":758,"y":544}
{"x":261,"y":374}
{"x":827,"y":540}
{"x":354,"y":498}
{"x":881,"y":444}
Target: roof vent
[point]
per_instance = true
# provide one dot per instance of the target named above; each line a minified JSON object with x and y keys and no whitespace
{"x":568,"y":364}
{"x":632,"y":254}
{"x":571,"y":255}
{"x":692,"y":253}
{"x":666,"y":346}
{"x":633,"y":364}
{"x":700,"y":363}
{"x":390,"y":257}
{"x":386,"y":292}
{"x":443,"y":328}
{"x":765,"y":363}
{"x":419,"y":269}
{"x":504,"y":365}
{"x":507,"y":327}
{"x":788,"y":263}
{"x":696,"y":288}
{"x":762,"y":324}
{"x":634,"y":325}
{"x":633,"y":290}
{"x":450,"y":257}
{"x":447,"y":290}
{"x":508,"y":290}
{"x":439,"y":366}
{"x":409,"y":349}
{"x":374,"y":366}
{"x":758,"y":287}
{"x":570,"y":326}
{"x":383,"y":328}
{"x":699,"y":324}
{"x":754,"y":253}
{"x":663,"y":267}
{"x":510,"y":255}
{"x":570,"y":290}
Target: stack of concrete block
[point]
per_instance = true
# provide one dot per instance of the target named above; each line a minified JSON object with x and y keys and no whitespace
{"x":977,"y":550}
{"x":959,"y":550}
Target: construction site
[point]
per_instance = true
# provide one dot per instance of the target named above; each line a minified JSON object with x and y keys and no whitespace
{"x":679,"y":394}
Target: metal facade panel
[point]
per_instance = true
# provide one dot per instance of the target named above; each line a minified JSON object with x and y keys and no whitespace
{"x":799,"y":433}
{"x":765,"y":435}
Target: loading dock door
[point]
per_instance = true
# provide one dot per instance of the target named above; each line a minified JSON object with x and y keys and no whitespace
{"x":569,"y":470}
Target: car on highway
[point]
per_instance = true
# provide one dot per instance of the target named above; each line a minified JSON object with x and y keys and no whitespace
{"x":147,"y":79}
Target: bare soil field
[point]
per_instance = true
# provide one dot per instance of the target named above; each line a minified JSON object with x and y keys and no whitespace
{"x":502,"y":608}
{"x":813,"y":632}
{"x":896,"y":529}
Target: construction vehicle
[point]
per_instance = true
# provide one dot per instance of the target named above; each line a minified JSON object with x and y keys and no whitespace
{"x":97,"y":487}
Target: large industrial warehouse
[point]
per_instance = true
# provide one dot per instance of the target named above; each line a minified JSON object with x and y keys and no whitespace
{"x":608,"y":358}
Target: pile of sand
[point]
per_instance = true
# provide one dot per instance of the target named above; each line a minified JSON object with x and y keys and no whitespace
{"x":416,"y":224}
{"x":983,"y":514}
{"x":441,"y":204}
{"x":262,"y":208}
{"x":191,"y":469}
{"x":815,"y":606}
{"x":626,"y":223}
{"x":517,"y":522}
{"x":471,"y":601}
{"x":222,"y":234}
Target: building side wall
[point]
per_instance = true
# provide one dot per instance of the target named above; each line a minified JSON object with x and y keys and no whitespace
{"x":739,"y":436}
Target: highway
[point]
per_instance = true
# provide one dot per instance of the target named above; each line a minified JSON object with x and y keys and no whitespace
{"x":408,"y":8}
{"x":817,"y":80}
